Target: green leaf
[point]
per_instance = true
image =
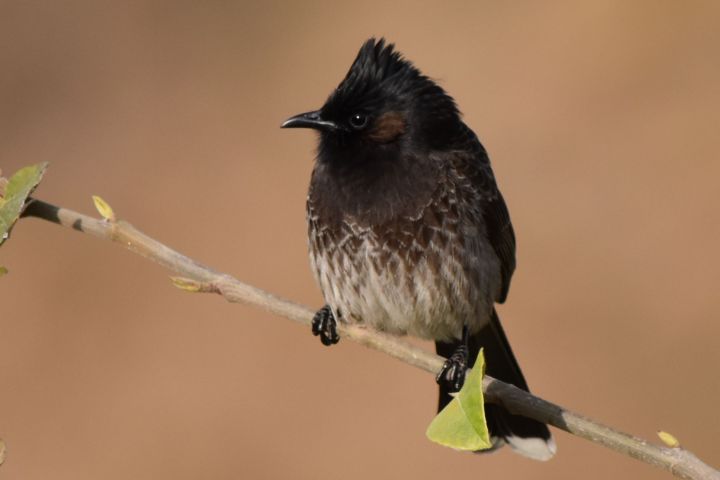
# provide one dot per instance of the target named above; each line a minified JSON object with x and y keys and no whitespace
{"x":461,"y":424}
{"x":103,"y":208}
{"x":668,"y":439}
{"x":186,"y":284}
{"x":17,"y":190}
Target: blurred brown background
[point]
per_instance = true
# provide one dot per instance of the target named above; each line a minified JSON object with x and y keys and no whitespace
{"x":601,"y":119}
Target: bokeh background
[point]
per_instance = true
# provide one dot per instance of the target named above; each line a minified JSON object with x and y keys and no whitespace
{"x":601,"y":119}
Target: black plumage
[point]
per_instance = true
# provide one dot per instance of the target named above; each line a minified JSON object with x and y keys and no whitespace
{"x":407,"y":229}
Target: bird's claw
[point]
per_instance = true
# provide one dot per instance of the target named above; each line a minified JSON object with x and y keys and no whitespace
{"x":325,"y":326}
{"x":452,"y":373}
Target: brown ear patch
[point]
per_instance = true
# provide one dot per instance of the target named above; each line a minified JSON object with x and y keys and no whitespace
{"x":387,"y":127}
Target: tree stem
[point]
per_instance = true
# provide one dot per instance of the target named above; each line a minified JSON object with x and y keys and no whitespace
{"x":676,"y":460}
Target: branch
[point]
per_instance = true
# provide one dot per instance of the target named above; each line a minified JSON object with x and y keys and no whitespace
{"x":200,"y":278}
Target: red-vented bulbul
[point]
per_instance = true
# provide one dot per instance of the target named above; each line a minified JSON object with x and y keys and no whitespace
{"x":408,"y":231}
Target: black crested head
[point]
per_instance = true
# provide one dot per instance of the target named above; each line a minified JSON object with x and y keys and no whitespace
{"x":378,"y":76}
{"x":385,"y":97}
{"x":382,"y":108}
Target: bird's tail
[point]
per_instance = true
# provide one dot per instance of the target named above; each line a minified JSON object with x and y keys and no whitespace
{"x":526,"y":436}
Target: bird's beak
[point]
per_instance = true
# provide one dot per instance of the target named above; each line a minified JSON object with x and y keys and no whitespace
{"x":310,"y":120}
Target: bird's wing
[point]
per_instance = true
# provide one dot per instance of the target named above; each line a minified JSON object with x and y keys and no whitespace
{"x":494,"y":211}
{"x":502,"y":238}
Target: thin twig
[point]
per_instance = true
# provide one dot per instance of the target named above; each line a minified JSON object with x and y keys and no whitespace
{"x":676,"y":460}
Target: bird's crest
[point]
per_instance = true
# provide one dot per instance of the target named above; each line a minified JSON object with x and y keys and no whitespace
{"x":376,"y":62}
{"x":377,"y":67}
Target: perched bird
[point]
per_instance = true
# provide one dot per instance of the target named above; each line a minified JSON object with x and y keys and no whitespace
{"x":408,"y":232}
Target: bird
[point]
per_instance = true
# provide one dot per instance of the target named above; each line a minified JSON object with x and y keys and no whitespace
{"x":408,"y":232}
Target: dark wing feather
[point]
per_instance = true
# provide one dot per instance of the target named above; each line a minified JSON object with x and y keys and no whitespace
{"x":495,"y":213}
{"x":502,"y":238}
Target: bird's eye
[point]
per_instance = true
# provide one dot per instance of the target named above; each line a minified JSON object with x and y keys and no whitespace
{"x":358,"y":121}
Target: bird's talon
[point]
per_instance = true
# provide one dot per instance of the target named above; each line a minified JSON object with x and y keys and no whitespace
{"x":452,"y":373}
{"x":325,"y":326}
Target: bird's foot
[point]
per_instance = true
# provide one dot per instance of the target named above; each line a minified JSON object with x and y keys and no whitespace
{"x":452,"y":374}
{"x":325,"y":325}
